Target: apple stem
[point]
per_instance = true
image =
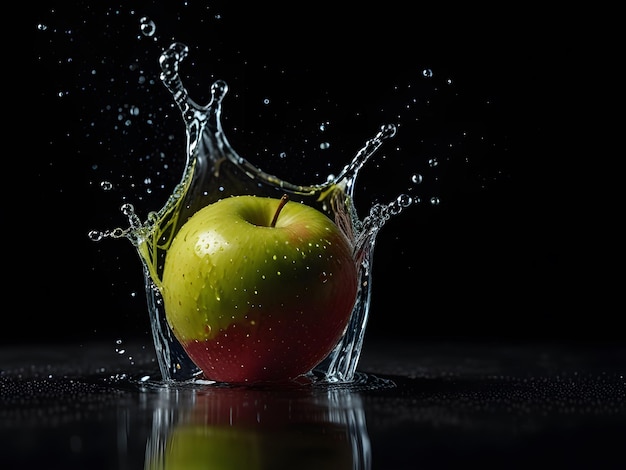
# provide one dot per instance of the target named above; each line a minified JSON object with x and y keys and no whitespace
{"x":281,"y":204}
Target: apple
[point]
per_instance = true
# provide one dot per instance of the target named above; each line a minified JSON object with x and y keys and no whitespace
{"x":258,"y":288}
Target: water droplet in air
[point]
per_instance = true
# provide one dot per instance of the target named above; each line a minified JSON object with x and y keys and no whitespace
{"x":106,"y":185}
{"x":95,"y":235}
{"x":147,"y":26}
{"x":127,"y":209}
{"x":416,"y":178}
{"x":427,"y":73}
{"x":405,"y":200}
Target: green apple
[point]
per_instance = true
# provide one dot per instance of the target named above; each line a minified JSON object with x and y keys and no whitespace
{"x":258,"y":288}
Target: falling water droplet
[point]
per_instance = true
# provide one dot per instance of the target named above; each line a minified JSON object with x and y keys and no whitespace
{"x":106,"y":185}
{"x":95,"y":235}
{"x":405,"y":200}
{"x":147,"y":26}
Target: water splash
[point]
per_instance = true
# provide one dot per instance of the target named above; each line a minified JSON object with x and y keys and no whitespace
{"x":214,"y":170}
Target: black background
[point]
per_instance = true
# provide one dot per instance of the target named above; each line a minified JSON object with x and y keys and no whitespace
{"x":521,"y":246}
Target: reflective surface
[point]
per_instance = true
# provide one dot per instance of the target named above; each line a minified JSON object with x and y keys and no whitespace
{"x":422,"y":405}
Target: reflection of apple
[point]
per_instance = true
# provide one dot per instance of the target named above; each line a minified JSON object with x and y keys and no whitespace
{"x":193,"y":446}
{"x":258,"y":289}
{"x":206,"y":446}
{"x":249,"y":428}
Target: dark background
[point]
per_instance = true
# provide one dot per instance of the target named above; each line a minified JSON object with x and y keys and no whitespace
{"x":523,"y":244}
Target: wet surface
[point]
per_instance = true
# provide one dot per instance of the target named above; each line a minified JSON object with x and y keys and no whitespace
{"x":427,"y":405}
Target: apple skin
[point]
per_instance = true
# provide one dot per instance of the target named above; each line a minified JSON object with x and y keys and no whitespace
{"x":252,"y":302}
